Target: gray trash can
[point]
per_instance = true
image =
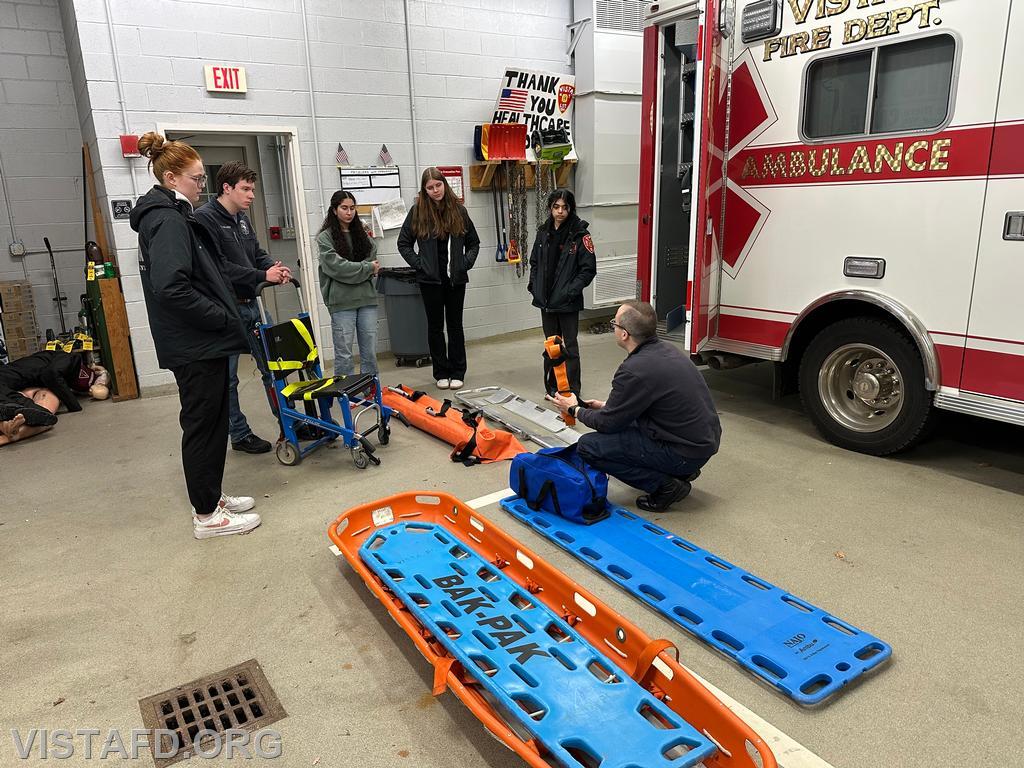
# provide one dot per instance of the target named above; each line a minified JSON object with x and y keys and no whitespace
{"x":407,"y":319}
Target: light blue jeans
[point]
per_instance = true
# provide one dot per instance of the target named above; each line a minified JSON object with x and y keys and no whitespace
{"x":361,"y":323}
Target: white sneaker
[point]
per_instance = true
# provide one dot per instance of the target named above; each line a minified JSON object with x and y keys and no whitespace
{"x":237,"y":504}
{"x":443,"y":383}
{"x":455,"y":383}
{"x":224,"y":523}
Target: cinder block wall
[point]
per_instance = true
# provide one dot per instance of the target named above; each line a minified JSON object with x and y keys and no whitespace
{"x":360,"y":79}
{"x":40,"y":148}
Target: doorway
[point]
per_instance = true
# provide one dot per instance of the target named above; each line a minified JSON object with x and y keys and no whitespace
{"x":675,"y":181}
{"x":278,"y":212}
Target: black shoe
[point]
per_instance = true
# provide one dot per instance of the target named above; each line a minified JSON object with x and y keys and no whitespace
{"x":691,"y":478}
{"x":252,"y":444}
{"x":668,"y":494}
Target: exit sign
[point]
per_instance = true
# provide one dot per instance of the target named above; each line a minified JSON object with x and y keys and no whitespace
{"x":225,"y":79}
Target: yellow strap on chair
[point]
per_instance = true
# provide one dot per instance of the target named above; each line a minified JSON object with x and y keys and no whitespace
{"x":308,"y":389}
{"x":294,"y":365}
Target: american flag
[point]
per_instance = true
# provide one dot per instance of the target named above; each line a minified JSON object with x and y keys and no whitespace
{"x":512,"y":99}
{"x":385,"y":157}
{"x":342,"y":157}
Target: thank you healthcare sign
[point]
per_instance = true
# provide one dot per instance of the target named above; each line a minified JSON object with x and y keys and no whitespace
{"x":540,"y":100}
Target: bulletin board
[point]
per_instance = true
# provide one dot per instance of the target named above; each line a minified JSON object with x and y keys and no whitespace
{"x":371,"y":185}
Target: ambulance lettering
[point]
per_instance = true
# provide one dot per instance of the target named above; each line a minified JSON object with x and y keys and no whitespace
{"x":856,"y":30}
{"x":894,"y":158}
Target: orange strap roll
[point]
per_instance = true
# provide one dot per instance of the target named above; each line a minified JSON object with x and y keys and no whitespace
{"x":554,"y":348}
{"x":474,"y":442}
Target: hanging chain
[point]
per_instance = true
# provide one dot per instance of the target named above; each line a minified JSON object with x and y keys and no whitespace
{"x":518,"y":214}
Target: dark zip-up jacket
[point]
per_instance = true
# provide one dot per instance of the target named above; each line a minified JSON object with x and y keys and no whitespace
{"x":424,"y":258}
{"x":576,"y":268}
{"x":660,"y":390}
{"x":53,"y":369}
{"x":246,"y":263}
{"x":193,"y":313}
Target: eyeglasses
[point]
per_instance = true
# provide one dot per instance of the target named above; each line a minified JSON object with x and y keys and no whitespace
{"x":200,"y":179}
{"x":614,"y":324}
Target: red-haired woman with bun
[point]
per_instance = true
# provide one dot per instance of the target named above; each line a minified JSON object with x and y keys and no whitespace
{"x":195,"y":324}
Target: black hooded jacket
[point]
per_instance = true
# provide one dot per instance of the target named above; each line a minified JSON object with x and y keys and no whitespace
{"x":574,"y":271}
{"x":424,"y":258}
{"x":193,"y":312}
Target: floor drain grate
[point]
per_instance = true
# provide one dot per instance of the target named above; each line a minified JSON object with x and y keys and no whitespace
{"x":235,"y":698}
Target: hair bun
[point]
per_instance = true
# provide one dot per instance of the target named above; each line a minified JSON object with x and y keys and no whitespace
{"x":151,"y":144}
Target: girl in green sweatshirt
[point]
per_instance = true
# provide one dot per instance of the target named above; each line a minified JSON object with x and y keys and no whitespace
{"x":348,"y":264}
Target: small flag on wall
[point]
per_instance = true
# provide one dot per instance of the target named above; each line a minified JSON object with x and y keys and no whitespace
{"x":342,"y":157}
{"x":385,"y":157}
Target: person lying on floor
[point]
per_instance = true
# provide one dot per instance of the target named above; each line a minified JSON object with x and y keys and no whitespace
{"x":60,"y":372}
{"x":659,"y":425}
{"x":18,"y":428}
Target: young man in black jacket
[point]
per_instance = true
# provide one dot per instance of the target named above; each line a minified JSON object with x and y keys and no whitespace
{"x":659,"y":425}
{"x":246,"y":265}
{"x":562,"y":264}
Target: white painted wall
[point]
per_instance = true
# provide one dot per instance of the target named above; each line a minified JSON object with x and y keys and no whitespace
{"x":359,"y":64}
{"x":40,"y":145}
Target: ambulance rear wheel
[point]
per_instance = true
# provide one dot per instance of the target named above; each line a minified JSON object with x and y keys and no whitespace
{"x":862,"y":384}
{"x":288,"y":453}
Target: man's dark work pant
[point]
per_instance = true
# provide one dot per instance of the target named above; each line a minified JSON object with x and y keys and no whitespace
{"x":203,"y":391}
{"x":635,"y":459}
{"x":566,"y":325}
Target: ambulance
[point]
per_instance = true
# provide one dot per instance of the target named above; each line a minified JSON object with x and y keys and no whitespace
{"x":837,"y":186}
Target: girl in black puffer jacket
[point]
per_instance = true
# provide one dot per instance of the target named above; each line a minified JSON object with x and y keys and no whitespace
{"x":562,"y":264}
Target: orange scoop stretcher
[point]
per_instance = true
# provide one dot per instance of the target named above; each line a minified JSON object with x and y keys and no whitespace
{"x":426,"y":554}
{"x":474,"y":442}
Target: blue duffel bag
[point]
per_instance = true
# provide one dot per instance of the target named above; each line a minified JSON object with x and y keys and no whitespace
{"x":557,"y":480}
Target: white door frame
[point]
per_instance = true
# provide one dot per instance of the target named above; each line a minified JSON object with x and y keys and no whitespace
{"x":310,"y":294}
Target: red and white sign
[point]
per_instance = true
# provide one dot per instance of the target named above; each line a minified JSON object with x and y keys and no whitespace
{"x":225,"y":78}
{"x":453,"y":175}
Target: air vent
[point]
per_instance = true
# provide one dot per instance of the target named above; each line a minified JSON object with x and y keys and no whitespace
{"x":621,"y":15}
{"x":615,"y":282}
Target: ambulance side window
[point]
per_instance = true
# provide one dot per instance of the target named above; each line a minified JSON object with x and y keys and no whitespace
{"x":913,"y":84}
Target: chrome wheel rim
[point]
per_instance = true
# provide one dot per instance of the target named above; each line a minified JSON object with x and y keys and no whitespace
{"x":861,"y":388}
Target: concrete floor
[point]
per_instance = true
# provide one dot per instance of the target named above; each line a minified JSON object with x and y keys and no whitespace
{"x":108,"y":599}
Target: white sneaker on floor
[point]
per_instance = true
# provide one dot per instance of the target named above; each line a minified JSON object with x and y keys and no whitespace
{"x":236,"y":504}
{"x":224,"y":523}
{"x":455,"y":384}
{"x":443,"y":383}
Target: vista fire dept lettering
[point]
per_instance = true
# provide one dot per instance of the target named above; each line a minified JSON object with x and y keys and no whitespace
{"x":889,"y":22}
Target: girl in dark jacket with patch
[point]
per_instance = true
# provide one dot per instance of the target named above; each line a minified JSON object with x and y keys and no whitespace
{"x":446,"y":249}
{"x":562,"y":264}
{"x":194,"y":320}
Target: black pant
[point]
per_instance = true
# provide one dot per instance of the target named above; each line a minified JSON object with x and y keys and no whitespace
{"x":635,"y":459}
{"x":566,"y":325}
{"x":444,"y":303}
{"x":203,"y":391}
